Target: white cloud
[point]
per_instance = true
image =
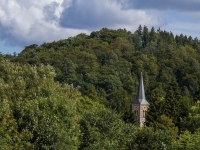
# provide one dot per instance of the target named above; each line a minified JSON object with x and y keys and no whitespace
{"x":186,"y":28}
{"x":194,"y":14}
{"x":24,"y":22}
{"x":104,"y":13}
{"x":174,"y":5}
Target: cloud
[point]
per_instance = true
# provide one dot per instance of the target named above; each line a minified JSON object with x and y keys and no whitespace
{"x":96,"y":14}
{"x":25,"y":22}
{"x":49,"y":11}
{"x":185,"y":28}
{"x":183,"y":5}
{"x":194,"y":15}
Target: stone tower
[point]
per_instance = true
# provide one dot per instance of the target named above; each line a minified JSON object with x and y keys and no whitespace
{"x":140,"y":105}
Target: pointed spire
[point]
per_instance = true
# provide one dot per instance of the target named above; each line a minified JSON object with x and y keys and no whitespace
{"x":140,"y":99}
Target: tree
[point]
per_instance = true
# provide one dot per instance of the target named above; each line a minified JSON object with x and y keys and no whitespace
{"x":187,"y":141}
{"x":165,"y":123}
{"x":148,"y":139}
{"x":37,"y":112}
{"x":192,"y":121}
{"x":11,"y":138}
{"x":146,"y":36}
{"x":172,"y":105}
{"x":102,"y":128}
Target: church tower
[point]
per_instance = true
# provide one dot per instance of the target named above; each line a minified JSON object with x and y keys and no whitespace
{"x":140,"y":105}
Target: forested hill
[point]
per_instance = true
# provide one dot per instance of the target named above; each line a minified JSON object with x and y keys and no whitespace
{"x":106,"y":66}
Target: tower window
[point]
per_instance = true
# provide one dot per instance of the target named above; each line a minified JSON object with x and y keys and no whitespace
{"x":143,"y":113}
{"x":136,"y":112}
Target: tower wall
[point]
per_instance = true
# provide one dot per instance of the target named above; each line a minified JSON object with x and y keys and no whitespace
{"x":136,"y":109}
{"x":140,"y":105}
{"x":140,"y":111}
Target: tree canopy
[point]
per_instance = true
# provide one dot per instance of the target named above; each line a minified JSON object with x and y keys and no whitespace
{"x":76,"y":93}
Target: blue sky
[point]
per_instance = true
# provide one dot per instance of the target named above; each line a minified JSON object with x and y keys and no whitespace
{"x":24,"y":22}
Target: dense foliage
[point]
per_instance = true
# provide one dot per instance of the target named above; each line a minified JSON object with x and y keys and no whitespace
{"x":76,"y":93}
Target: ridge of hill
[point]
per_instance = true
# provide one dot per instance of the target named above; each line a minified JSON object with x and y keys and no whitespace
{"x":61,"y":94}
{"x":106,"y":65}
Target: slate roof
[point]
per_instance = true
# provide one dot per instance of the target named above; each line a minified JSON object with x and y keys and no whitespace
{"x":140,"y":99}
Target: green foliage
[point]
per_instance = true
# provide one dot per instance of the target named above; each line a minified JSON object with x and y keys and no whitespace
{"x":148,"y":139}
{"x":11,"y":138}
{"x":187,"y":141}
{"x":165,"y":123}
{"x":106,"y":66}
{"x":114,"y":56}
{"x":192,"y":121}
{"x":37,"y":112}
{"x":102,"y":128}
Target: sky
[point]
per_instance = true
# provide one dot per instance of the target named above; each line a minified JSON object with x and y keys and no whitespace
{"x":26,"y":22}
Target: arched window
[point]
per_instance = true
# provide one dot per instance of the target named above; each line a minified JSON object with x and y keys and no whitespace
{"x":136,"y":112}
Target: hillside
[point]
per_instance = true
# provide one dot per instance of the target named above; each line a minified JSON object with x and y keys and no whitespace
{"x":105,"y":67}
